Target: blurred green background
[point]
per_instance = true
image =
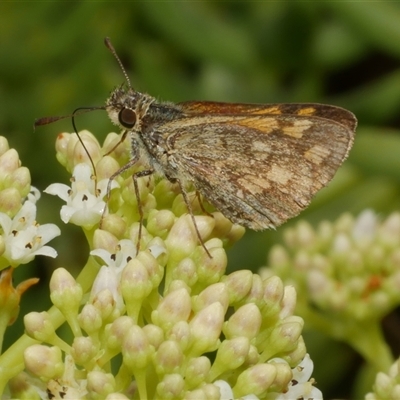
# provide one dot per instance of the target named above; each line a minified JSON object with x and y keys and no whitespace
{"x":53,"y":60}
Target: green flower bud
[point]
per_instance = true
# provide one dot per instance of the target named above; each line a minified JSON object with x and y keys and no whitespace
{"x":284,"y":338}
{"x":273,"y":294}
{"x":182,"y":239}
{"x":168,"y":358}
{"x":104,"y":239}
{"x":9,"y":162}
{"x":100,"y":384}
{"x":186,"y":271}
{"x":136,"y":349}
{"x":256,"y":380}
{"x":120,"y":150}
{"x":175,"y":307}
{"x":66,"y":294}
{"x":106,"y":166}
{"x":154,"y":334}
{"x":90,"y":319}
{"x":84,"y":350}
{"x":205,"y":329}
{"x":235,"y":234}
{"x":230,"y":356}
{"x":78,"y":154}
{"x":10,"y":201}
{"x":210,"y":270}
{"x":152,"y":264}
{"x":197,"y":371}
{"x":21,"y":180}
{"x":295,"y":356}
{"x":180,"y":332}
{"x":44,"y":362}
{"x":39,"y":326}
{"x":160,"y":222}
{"x":246,"y":322}
{"x":207,"y":392}
{"x":283,"y":376}
{"x":105,"y":303}
{"x":171,"y":387}
{"x":238,"y":284}
{"x":135,"y":287}
{"x":211,"y":294}
{"x":116,"y":331}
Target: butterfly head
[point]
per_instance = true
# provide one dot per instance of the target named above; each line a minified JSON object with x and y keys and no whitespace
{"x":126,"y":107}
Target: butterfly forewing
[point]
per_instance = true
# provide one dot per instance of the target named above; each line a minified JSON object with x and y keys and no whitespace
{"x":258,"y":168}
{"x":337,"y":114}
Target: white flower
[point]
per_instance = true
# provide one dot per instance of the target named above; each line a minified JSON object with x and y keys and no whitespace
{"x":84,"y":198}
{"x":109,"y":276}
{"x":33,"y":195}
{"x":301,"y":386}
{"x":24,"y":238}
{"x":126,"y":251}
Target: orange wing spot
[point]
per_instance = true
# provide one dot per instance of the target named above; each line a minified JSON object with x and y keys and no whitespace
{"x":268,"y":110}
{"x":306,"y":111}
{"x":266,"y":125}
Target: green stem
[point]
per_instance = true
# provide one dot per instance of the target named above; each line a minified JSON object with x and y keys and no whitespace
{"x":4,"y":320}
{"x":12,"y":360}
{"x":88,"y":274}
{"x":368,"y":340}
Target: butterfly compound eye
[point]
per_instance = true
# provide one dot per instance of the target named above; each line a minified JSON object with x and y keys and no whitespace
{"x":127,"y":117}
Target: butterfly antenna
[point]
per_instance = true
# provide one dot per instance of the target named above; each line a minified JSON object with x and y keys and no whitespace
{"x":110,"y":47}
{"x":76,"y":112}
{"x":50,"y":120}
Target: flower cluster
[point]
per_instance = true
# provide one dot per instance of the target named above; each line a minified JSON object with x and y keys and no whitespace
{"x":347,"y":276}
{"x":153,"y":314}
{"x":387,"y":386}
{"x":21,"y":237}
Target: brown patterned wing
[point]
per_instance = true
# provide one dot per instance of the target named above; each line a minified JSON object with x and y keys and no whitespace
{"x":325,"y":111}
{"x":259,"y":169}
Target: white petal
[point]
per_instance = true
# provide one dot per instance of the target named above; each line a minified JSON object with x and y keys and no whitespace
{"x":58,"y":189}
{"x":156,"y":250}
{"x":48,"y":232}
{"x":46,"y":251}
{"x":83,"y":173}
{"x":5,"y":222}
{"x":107,"y":278}
{"x":224,"y":389}
{"x":26,"y":216}
{"x":66,"y":213}
{"x":303,"y":371}
{"x":33,"y":195}
{"x":103,"y":254}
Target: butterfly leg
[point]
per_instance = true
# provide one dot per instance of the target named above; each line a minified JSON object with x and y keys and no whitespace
{"x":135,"y":177}
{"x":123,"y":137}
{"x":190,"y":209}
{"x":198,"y":195}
